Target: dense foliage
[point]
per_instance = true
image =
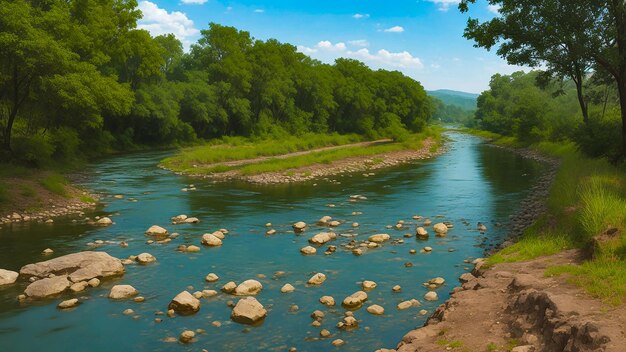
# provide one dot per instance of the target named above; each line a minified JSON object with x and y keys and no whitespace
{"x":569,"y":38}
{"x":77,"y":75}
{"x":517,"y":106}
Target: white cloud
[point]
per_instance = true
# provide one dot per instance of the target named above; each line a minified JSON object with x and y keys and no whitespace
{"x":327,"y":51}
{"x":195,"y":2}
{"x":394,"y":29}
{"x":385,"y":58}
{"x":444,"y":5}
{"x":494,"y":8}
{"x":158,"y":21}
{"x":259,"y":11}
{"x":359,"y":42}
{"x":359,"y":16}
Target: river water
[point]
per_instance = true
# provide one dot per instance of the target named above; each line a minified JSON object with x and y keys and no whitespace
{"x":472,"y":182}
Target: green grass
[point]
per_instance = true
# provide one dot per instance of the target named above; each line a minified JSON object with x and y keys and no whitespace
{"x":27,"y":191}
{"x":239,"y":148}
{"x":588,"y":196}
{"x":184,"y":161}
{"x":55,"y":183}
{"x":86,"y":199}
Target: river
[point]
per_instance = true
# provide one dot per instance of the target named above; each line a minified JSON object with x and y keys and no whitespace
{"x":471,"y":181}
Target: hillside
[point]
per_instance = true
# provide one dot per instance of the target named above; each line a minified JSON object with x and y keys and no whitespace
{"x":463,"y":100}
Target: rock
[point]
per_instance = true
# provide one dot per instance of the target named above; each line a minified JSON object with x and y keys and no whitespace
{"x":323,"y":237}
{"x":526,"y":348}
{"x":355,"y":300}
{"x":270,"y":232}
{"x":105,"y":221}
{"x":179,"y":219}
{"x":317,"y":279}
{"x":47,"y":287}
{"x":334,"y":223}
{"x":357,"y":252}
{"x":396,"y":288}
{"x":248,"y":288}
{"x":324,"y":333}
{"x":216,"y":323}
{"x":481,"y":227}
{"x":184,"y":303}
{"x":80,"y":266}
{"x":192,"y":249}
{"x":209,"y":293}
{"x":209,"y":239}
{"x":192,"y":221}
{"x":128,"y":312}
{"x":428,"y":249}
{"x":211,"y":277}
{"x":379,"y":238}
{"x":145,"y":258}
{"x":8,"y":277}
{"x":408,"y":304}
{"x":229,"y":287}
{"x":440,"y":228}
{"x":287,"y":288}
{"x":318,"y":315}
{"x":95,"y":282}
{"x":122,"y":292}
{"x":221,"y":234}
{"x":79,"y":286}
{"x":421,"y":232}
{"x":467,"y":277}
{"x":368,"y":285}
{"x":300,"y":226}
{"x":308,"y":250}
{"x":156,"y":231}
{"x":186,"y":336}
{"x":248,"y":311}
{"x":355,"y":224}
{"x":338,"y":342}
{"x":328,"y":301}
{"x":68,"y":304}
{"x":139,"y":299}
{"x":431,"y":296}
{"x":376,"y":309}
{"x":438,"y":281}
{"x":427,"y":222}
{"x":47,"y":251}
{"x":324,"y":220}
{"x":269,"y":224}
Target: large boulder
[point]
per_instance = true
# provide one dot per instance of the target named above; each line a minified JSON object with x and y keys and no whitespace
{"x":308,"y":250}
{"x":355,"y":300}
{"x":209,"y":239}
{"x":317,"y":279}
{"x":79,"y":266}
{"x":248,"y":288}
{"x":7,"y":277}
{"x":122,"y":292}
{"x":105,"y":221}
{"x":47,"y":287}
{"x":145,"y":258}
{"x":248,"y":311}
{"x":440,"y":228}
{"x":156,"y":231}
{"x":323,"y":237}
{"x":379,"y":238}
{"x":185,"y":303}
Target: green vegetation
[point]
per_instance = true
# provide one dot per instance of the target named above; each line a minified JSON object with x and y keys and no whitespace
{"x":55,"y":183}
{"x":239,"y":148}
{"x":184,"y":161}
{"x":84,"y":80}
{"x":588,"y":198}
{"x":454,"y":107}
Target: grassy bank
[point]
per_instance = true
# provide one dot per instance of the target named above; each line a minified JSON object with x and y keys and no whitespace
{"x":587,"y":199}
{"x":207,"y":159}
{"x":240,"y":148}
{"x":24,"y":189}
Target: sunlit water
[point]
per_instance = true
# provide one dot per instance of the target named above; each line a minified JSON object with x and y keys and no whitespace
{"x":471,"y":181}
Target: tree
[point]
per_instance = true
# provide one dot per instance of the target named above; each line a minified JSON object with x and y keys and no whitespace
{"x":566,"y":35}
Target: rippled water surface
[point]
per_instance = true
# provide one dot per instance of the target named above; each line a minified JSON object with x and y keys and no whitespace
{"x":471,"y":181}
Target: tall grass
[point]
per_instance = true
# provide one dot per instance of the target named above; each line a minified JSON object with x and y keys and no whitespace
{"x":55,"y":183}
{"x":588,"y":196}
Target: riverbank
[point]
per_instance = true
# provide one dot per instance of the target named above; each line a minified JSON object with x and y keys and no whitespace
{"x":34,"y":195}
{"x":269,"y":167}
{"x":568,"y":263}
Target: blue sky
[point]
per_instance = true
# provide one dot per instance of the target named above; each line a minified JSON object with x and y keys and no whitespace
{"x":421,"y":38}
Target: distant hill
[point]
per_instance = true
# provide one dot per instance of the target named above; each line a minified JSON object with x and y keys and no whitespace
{"x":463,"y":100}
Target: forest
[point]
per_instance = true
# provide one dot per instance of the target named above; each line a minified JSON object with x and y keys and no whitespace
{"x":79,"y":79}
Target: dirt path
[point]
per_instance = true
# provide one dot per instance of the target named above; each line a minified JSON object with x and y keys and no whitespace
{"x":348,"y":165}
{"x":514,"y":307}
{"x":289,"y":155}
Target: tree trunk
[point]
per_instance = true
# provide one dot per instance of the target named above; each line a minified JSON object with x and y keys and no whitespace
{"x":6,"y":144}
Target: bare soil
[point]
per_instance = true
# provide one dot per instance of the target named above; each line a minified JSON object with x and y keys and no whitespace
{"x":514,"y":307}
